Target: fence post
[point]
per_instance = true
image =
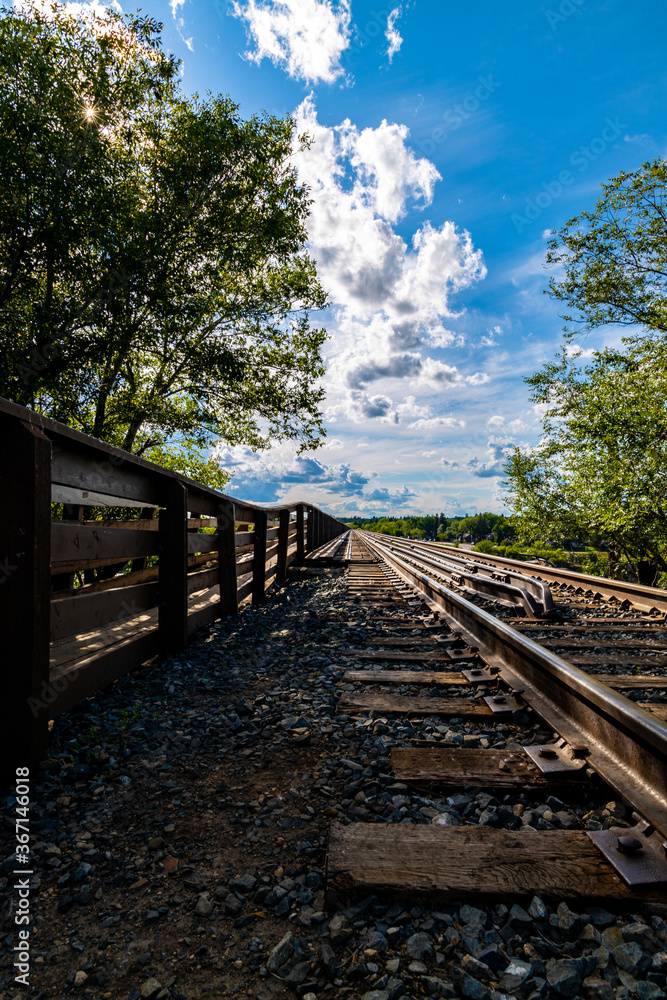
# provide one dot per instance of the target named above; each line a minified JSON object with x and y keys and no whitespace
{"x":173,"y":568}
{"x":25,"y":574}
{"x":229,"y":604}
{"x":283,"y":541}
{"x":310,"y":526}
{"x":300,"y":544}
{"x":259,"y":558}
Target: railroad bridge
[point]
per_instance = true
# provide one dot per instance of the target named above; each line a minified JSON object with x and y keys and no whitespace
{"x":433,"y":635}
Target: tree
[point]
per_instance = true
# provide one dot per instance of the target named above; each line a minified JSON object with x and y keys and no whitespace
{"x":615,"y":258}
{"x":601,"y":469}
{"x":154,"y":283}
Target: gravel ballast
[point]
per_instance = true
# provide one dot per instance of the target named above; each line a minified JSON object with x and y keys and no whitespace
{"x":179,"y":830}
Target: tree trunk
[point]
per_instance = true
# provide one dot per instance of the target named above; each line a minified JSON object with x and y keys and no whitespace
{"x":132,"y":432}
{"x":647,"y":572}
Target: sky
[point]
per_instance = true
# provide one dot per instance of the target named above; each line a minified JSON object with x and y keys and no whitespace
{"x":449,"y":140}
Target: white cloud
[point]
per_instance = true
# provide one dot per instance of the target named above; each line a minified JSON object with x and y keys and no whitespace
{"x":430,"y":423}
{"x":362,"y":182}
{"x":498,"y":449}
{"x":392,"y":34}
{"x":359,"y":406}
{"x":440,"y":337}
{"x":94,"y":7}
{"x":180,"y":23}
{"x":268,"y":476}
{"x":576,"y":350}
{"x":515,"y":426}
{"x":441,"y":374}
{"x":390,"y":296}
{"x":489,"y":339}
{"x":305,"y":37}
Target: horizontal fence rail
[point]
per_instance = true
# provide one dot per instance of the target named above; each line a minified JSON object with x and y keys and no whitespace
{"x":87,"y":599}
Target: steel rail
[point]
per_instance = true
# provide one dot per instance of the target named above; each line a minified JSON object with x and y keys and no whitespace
{"x":640,"y":596}
{"x":624,"y":744}
{"x":513,"y":589}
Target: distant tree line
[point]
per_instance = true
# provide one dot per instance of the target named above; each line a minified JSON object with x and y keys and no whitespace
{"x":437,"y":527}
{"x":494,"y":534}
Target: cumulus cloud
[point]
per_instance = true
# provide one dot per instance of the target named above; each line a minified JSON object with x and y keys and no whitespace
{"x":359,"y":406}
{"x":404,"y":495}
{"x":515,"y":426}
{"x":497,"y":450}
{"x":371,"y":370}
{"x":390,"y":295}
{"x":304,"y":37}
{"x":268,"y":476}
{"x":441,"y":337}
{"x":392,"y":34}
{"x":441,"y":374}
{"x":363,"y":181}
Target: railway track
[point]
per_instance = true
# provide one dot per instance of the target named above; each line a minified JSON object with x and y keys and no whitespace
{"x":575,"y":585}
{"x":570,"y":697}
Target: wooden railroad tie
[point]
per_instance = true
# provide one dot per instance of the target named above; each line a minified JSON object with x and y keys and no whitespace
{"x":350,"y":703}
{"x":458,"y":767}
{"x":457,"y":862}
{"x":615,"y":681}
{"x":408,"y":656}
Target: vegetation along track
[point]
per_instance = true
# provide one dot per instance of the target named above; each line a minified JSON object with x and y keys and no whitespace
{"x":593,"y":673}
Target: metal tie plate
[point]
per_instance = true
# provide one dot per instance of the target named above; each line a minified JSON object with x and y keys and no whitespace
{"x":479,"y":675}
{"x":554,"y":758}
{"x":637,"y":855}
{"x":501,"y":704}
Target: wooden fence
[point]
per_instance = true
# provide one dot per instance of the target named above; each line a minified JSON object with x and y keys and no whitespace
{"x":83,"y":601}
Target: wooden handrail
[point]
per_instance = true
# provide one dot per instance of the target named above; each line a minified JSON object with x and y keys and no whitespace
{"x":151,"y":582}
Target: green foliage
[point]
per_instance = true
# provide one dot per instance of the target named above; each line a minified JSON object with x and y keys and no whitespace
{"x":600,"y":472}
{"x":614,"y":257}
{"x":519,"y":550}
{"x":188,"y":459}
{"x":153,"y":280}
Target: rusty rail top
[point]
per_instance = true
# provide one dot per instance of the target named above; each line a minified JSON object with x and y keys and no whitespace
{"x":624,"y":744}
{"x":84,"y":602}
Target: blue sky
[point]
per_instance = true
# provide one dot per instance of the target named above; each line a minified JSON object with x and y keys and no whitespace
{"x":449,"y":140}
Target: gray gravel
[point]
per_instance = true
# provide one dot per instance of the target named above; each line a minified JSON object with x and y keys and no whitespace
{"x":180,"y":827}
